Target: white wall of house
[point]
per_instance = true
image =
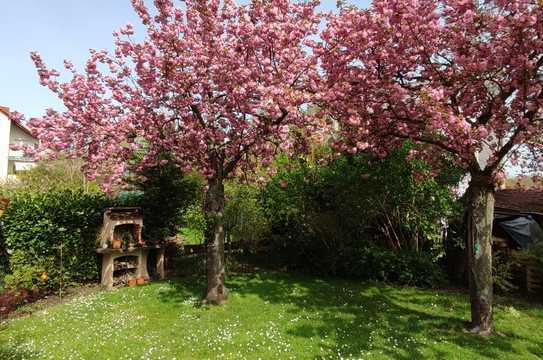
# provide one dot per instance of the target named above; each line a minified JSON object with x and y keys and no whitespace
{"x":17,"y":161}
{"x":11,"y":133}
{"x":5,"y":130}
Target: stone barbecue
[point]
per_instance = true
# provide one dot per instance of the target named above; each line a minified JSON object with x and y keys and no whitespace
{"x":121,"y":224}
{"x":124,"y":253}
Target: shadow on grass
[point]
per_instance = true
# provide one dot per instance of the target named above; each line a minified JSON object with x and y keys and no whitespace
{"x":405,"y":322}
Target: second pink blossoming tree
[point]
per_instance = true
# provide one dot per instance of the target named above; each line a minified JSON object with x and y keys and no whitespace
{"x":214,"y":84}
{"x":463,"y":79}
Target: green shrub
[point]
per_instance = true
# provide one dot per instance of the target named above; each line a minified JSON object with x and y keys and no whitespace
{"x":4,"y":259}
{"x":318,"y":213}
{"x":244,"y":218}
{"x":314,"y":212}
{"x":55,"y":234}
{"x":164,"y":194}
{"x":533,"y":256}
{"x":502,"y":272}
{"x":28,"y":271}
{"x":48,"y":233}
{"x":54,"y":175}
{"x":195,"y":225}
{"x":535,"y":252}
{"x":380,"y":264}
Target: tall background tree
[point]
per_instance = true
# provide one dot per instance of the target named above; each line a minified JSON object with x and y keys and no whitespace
{"x":213,"y":83}
{"x":460,"y":78}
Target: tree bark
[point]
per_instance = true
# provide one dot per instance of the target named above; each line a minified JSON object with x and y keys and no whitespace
{"x":216,"y":292}
{"x":479,"y":249}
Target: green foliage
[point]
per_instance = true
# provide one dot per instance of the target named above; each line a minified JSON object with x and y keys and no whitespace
{"x":24,"y":273}
{"x":164,"y":194}
{"x":4,"y":259}
{"x":195,"y":221}
{"x":319,"y":213}
{"x":502,"y":272}
{"x":380,"y":264}
{"x":314,"y":212}
{"x":408,"y":203}
{"x":533,"y":257}
{"x":29,"y":270}
{"x":54,"y":175}
{"x":61,"y":175}
{"x":244,"y":219}
{"x":52,"y":233}
{"x":535,"y":253}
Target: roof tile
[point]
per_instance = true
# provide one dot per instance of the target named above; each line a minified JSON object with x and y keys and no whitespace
{"x":520,"y":200}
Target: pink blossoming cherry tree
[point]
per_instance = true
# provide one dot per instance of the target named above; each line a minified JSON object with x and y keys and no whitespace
{"x":214,"y":84}
{"x":462,"y":78}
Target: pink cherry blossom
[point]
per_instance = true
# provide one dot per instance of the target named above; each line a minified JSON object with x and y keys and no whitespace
{"x":462,"y":79}
{"x":213,"y":83}
{"x":449,"y":74}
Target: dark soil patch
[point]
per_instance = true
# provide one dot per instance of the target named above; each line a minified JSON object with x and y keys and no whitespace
{"x":21,"y":303}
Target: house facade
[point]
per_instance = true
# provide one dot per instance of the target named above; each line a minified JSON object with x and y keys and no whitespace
{"x":13,"y":133}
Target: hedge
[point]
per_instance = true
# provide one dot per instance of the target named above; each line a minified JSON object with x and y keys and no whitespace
{"x":51,"y":237}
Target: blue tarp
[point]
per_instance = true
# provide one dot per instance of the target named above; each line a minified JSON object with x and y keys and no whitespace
{"x":522,"y":229}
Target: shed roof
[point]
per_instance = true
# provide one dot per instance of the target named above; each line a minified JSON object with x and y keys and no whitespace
{"x":520,"y":200}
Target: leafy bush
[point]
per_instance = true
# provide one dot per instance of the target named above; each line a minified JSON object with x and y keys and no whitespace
{"x":164,"y":195}
{"x":195,"y":224}
{"x":319,"y":213}
{"x":11,"y":299}
{"x":535,"y":253}
{"x":245,"y":220}
{"x":54,"y":175}
{"x":502,"y":272}
{"x":26,"y":272}
{"x":408,"y":203}
{"x":314,"y":212}
{"x":51,"y":237}
{"x":4,"y":259}
{"x":380,"y":264}
{"x":533,"y":257}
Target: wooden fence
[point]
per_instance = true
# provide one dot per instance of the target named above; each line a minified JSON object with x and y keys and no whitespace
{"x":534,"y":276}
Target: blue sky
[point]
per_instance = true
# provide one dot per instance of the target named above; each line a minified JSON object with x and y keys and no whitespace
{"x":58,"y":30}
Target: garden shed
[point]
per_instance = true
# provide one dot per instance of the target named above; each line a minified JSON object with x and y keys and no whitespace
{"x":518,"y":218}
{"x":518,"y":225}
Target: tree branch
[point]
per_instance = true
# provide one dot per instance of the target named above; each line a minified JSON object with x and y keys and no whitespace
{"x":264,"y":131}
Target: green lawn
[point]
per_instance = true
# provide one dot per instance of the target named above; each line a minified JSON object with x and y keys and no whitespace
{"x":271,"y":316}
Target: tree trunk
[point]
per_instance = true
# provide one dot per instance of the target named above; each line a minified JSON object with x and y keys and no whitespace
{"x":479,"y":248}
{"x":216,"y":292}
